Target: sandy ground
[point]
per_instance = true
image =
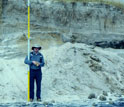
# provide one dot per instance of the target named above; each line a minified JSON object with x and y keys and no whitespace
{"x":71,"y":73}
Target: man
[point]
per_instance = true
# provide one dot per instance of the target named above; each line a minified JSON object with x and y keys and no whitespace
{"x":36,"y":62}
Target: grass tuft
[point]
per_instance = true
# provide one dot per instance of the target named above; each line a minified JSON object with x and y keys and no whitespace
{"x":113,"y":3}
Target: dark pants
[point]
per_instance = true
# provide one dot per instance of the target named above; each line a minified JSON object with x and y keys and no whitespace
{"x":35,"y":75}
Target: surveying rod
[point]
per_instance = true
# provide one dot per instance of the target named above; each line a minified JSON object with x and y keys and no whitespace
{"x":29,"y":49}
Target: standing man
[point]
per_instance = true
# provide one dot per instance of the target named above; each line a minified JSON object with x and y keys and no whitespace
{"x":36,"y":62}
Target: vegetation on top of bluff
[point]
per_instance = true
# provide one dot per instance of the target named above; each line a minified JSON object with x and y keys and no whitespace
{"x":113,"y":3}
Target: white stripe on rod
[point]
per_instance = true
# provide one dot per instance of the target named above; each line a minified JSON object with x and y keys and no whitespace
{"x":28,"y":2}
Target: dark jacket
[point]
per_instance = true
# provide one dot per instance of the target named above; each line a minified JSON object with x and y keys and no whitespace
{"x":35,"y":57}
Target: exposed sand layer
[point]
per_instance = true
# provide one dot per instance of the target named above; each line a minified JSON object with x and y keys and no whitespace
{"x":71,"y":73}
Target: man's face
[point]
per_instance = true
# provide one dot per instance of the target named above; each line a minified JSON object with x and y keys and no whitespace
{"x":36,"y":50}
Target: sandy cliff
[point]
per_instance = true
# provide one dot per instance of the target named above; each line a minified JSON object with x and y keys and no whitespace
{"x":72,"y":70}
{"x":72,"y":21}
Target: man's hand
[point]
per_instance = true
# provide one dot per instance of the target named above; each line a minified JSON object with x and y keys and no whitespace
{"x":36,"y":63}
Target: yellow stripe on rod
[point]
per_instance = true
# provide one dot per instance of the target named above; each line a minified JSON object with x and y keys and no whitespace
{"x":28,"y":85}
{"x":29,"y":49}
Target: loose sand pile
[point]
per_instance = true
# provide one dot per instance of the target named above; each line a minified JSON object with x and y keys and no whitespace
{"x":71,"y":72}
